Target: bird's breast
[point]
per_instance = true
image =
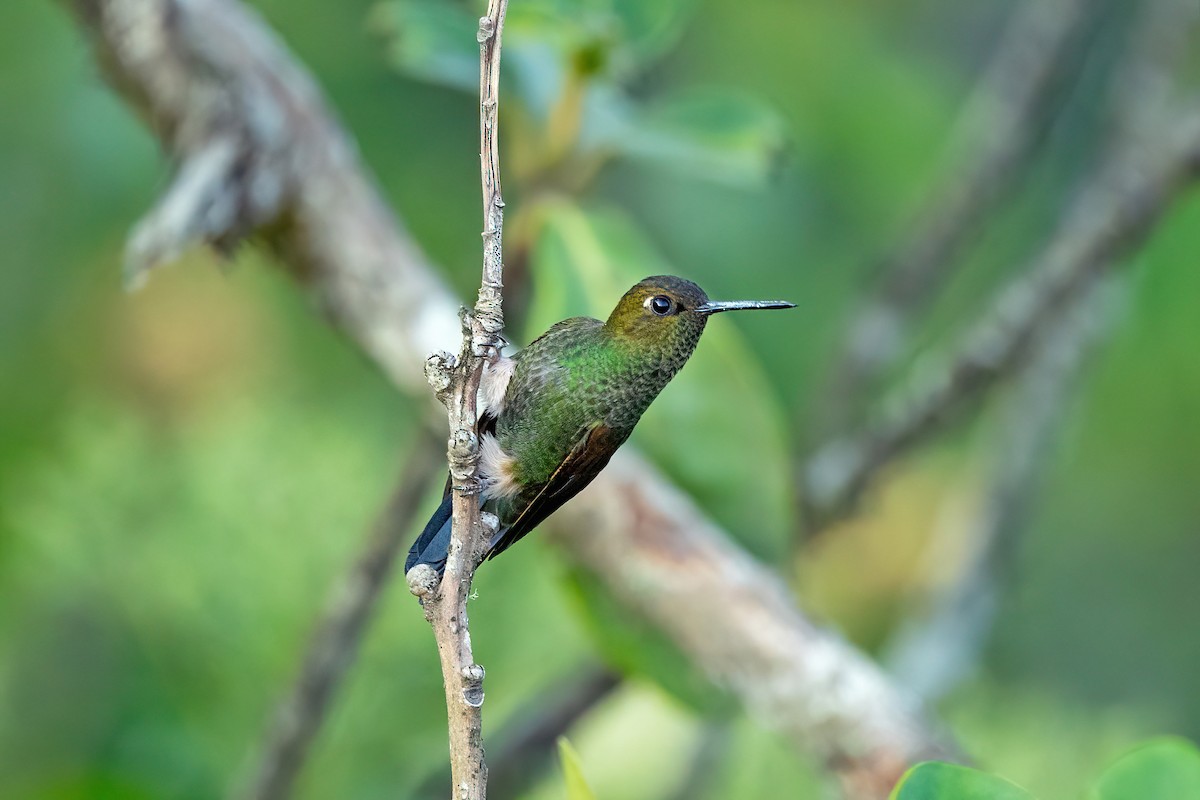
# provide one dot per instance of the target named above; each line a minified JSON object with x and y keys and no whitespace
{"x":497,"y":469}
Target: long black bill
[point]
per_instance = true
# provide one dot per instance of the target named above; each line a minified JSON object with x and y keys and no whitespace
{"x":716,"y":307}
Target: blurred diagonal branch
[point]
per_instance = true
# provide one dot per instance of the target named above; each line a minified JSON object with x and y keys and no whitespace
{"x":660,"y":555}
{"x":1148,"y":79}
{"x":207,"y":71}
{"x":210,"y":78}
{"x":1112,"y":217}
{"x":1154,"y":156}
{"x":335,"y":642}
{"x":932,"y":652}
{"x":994,"y":140}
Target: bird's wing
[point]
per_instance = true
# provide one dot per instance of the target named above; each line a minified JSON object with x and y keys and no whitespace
{"x":590,"y":454}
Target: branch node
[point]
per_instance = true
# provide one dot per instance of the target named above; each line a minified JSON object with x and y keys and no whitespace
{"x":487,"y":29}
{"x":484,"y":345}
{"x":463,"y":448}
{"x":439,"y":372}
{"x":473,"y":675}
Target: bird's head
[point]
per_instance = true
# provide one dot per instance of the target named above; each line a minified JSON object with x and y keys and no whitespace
{"x":667,"y":314}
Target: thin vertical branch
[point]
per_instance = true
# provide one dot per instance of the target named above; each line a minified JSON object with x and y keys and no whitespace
{"x":456,"y":382}
{"x":335,"y":642}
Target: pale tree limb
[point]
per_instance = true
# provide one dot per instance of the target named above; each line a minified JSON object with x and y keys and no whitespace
{"x":336,"y":640}
{"x":993,"y":142}
{"x":457,"y":385}
{"x":207,"y":70}
{"x":1151,"y":161}
{"x":210,"y":78}
{"x":933,"y":652}
{"x":660,"y":555}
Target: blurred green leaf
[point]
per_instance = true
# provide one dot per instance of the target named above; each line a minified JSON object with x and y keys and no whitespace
{"x":934,"y":780}
{"x":434,"y":40}
{"x":723,"y":136}
{"x":651,"y":27}
{"x":430,"y":40}
{"x":1163,"y":769}
{"x":721,"y":402}
{"x":720,"y":136}
{"x":577,"y":785}
{"x":631,"y":33}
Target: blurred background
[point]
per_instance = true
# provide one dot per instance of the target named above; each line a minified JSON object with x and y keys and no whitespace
{"x":186,"y":470}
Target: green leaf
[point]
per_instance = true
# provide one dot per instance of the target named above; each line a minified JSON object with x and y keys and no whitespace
{"x":720,"y":403}
{"x":934,"y":780}
{"x":722,"y":136}
{"x":1163,"y":769}
{"x":577,"y":785}
{"x":430,"y":40}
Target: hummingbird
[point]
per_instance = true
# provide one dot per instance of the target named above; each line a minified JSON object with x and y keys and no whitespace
{"x":552,"y":415}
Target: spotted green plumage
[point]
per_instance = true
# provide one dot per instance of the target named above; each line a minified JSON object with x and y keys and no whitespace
{"x":578,"y":391}
{"x":574,"y":397}
{"x":579,"y":374}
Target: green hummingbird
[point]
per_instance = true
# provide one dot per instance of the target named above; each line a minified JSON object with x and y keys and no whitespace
{"x":553,"y":414}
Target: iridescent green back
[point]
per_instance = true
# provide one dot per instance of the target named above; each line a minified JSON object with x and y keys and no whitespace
{"x":583,"y":372}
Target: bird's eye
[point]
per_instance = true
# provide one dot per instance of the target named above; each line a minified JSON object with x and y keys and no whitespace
{"x":660,"y":305}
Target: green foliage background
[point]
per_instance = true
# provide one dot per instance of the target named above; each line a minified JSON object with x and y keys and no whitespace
{"x":185,"y":470}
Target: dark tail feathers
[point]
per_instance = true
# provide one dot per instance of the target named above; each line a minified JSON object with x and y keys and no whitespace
{"x":433,"y":545}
